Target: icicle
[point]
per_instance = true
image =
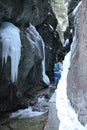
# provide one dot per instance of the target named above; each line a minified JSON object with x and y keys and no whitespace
{"x":11,"y":46}
{"x":45,"y":77}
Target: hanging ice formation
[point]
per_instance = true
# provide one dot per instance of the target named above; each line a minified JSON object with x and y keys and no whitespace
{"x":37,"y":38}
{"x":45,"y":77}
{"x":11,"y":46}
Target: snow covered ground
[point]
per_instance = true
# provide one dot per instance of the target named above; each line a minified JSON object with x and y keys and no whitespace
{"x":66,"y":114}
{"x":28,"y":112}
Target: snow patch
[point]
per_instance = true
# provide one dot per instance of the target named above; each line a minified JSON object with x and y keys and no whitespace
{"x":11,"y":46}
{"x":66,"y":114}
{"x":50,"y":48}
{"x":42,"y":99}
{"x":25,"y":113}
{"x":66,"y":42}
{"x":71,"y":30}
{"x":28,"y":112}
{"x":49,"y":13}
{"x":51,"y":27}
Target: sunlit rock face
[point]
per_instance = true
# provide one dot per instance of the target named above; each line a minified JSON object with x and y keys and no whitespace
{"x":60,"y":9}
{"x":77,"y":76}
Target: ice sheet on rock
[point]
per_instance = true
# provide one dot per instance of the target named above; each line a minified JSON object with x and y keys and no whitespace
{"x":76,"y":9}
{"x":66,"y":42}
{"x":73,"y":47}
{"x":50,"y":26}
{"x":45,"y":77}
{"x":11,"y":46}
{"x":37,"y":37}
{"x":71,"y":30}
{"x":25,"y":113}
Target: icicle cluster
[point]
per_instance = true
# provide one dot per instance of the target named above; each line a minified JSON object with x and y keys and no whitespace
{"x":11,"y":46}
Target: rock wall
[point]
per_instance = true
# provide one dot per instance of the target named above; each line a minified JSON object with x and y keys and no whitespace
{"x":77,"y":76}
{"x":47,"y":30}
{"x":21,"y":13}
{"x":68,"y":34}
{"x":27,"y":83}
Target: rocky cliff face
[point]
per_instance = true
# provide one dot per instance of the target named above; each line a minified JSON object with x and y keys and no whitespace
{"x":68,"y":34}
{"x":21,"y":13}
{"x":77,"y":76}
{"x":47,"y":30}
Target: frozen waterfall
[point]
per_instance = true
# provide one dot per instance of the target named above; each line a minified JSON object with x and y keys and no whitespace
{"x":11,"y":46}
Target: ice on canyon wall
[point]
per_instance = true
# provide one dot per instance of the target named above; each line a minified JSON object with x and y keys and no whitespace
{"x":11,"y":46}
{"x":37,"y":37}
